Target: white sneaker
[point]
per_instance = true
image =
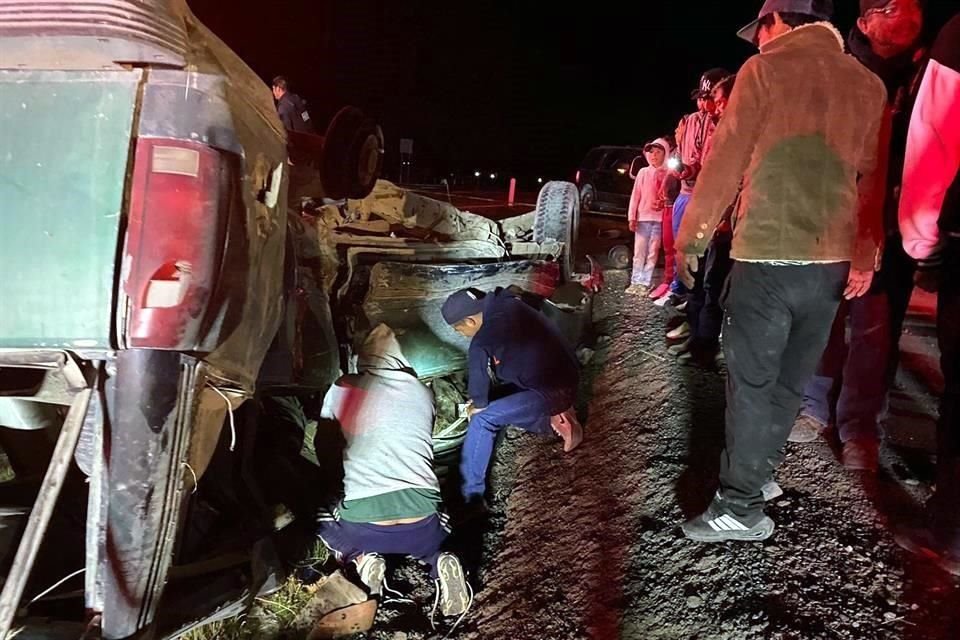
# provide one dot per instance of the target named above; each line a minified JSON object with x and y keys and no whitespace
{"x":372,"y":568}
{"x":681,"y":332}
{"x":662,"y":301}
{"x":452,"y":589}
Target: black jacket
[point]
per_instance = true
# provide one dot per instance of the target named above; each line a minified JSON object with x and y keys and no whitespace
{"x":293,"y":113}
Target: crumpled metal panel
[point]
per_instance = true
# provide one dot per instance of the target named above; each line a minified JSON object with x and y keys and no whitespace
{"x":51,"y":33}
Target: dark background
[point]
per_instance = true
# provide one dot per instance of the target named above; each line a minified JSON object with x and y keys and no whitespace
{"x":516,"y":88}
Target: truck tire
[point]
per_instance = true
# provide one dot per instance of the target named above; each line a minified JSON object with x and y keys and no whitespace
{"x":557,"y":219}
{"x":588,"y":197}
{"x":352,"y":155}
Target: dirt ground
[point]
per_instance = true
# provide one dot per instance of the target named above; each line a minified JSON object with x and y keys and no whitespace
{"x":587,"y":545}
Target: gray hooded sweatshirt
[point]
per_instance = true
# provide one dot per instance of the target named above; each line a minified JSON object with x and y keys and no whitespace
{"x":386,"y":415}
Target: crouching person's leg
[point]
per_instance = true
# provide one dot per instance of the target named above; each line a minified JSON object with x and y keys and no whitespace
{"x":361,"y":544}
{"x":529,"y":410}
{"x":424,"y":540}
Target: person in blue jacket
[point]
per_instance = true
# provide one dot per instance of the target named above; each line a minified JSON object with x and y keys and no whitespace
{"x":521,"y":373}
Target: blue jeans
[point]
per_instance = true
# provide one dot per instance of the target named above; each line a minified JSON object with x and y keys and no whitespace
{"x":529,"y":410}
{"x":646,"y":250}
{"x":849,"y":387}
{"x":679,"y":208}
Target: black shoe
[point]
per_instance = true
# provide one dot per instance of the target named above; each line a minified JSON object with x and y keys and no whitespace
{"x":717,"y":524}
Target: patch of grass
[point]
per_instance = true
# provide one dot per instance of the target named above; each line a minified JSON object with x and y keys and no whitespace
{"x":6,"y":471}
{"x":272,"y":615}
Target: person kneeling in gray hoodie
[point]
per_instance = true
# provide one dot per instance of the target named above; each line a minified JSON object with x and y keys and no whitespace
{"x":391,"y":503}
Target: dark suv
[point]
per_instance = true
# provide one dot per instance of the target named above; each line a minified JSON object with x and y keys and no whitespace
{"x":604,"y":178}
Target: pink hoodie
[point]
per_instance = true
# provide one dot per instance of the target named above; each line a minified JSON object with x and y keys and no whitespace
{"x":646,"y":204}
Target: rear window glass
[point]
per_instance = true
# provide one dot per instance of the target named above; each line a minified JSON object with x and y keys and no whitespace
{"x":592,"y":161}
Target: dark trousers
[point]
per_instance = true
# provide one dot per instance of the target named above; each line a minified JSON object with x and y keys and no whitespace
{"x":704,"y":309}
{"x":422,"y":540}
{"x":851,"y":383}
{"x":946,"y":502}
{"x":776,"y":326}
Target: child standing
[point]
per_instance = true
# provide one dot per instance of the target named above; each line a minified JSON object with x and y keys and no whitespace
{"x":645,"y":216}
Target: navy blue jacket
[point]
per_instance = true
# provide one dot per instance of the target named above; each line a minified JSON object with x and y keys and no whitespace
{"x":521,"y":347}
{"x":293,"y":113}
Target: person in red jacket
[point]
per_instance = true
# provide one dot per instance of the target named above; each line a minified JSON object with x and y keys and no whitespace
{"x":930,"y":225}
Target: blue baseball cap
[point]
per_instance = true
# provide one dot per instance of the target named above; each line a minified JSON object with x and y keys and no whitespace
{"x":820,"y":8}
{"x":462,"y":304}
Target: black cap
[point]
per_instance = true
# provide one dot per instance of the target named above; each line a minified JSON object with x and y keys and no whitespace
{"x":708,"y":81}
{"x":462,"y":304}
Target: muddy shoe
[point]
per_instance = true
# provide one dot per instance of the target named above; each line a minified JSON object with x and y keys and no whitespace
{"x":664,"y":300}
{"x":862,"y":454}
{"x":681,"y":332}
{"x":806,"y":429}
{"x":719,"y":525}
{"x":371,"y":567}
{"x":771,"y":491}
{"x":568,"y":427}
{"x":453,"y":592}
{"x":678,"y":350}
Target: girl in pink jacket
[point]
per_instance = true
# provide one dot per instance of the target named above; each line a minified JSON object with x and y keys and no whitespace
{"x":645,"y":215}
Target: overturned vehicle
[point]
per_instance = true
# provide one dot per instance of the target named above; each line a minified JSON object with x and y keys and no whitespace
{"x":171,"y":259}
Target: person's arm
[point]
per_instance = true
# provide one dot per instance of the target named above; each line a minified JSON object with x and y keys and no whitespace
{"x":730,"y":153}
{"x":872,"y":187}
{"x":694,"y":167}
{"x":933,"y":147}
{"x":286,"y":112}
{"x":635,"y":197}
{"x":478,"y":379}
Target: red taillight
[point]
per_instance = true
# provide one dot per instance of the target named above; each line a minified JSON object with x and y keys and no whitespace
{"x":576,"y":178}
{"x":174,"y":241}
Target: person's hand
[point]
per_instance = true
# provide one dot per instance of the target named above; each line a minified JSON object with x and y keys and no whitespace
{"x":858,"y":284}
{"x":687,"y":265}
{"x":633,"y":226}
{"x":927,"y":279}
{"x":472,"y":410}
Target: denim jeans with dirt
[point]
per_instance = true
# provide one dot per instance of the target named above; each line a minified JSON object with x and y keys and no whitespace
{"x":646,"y":250}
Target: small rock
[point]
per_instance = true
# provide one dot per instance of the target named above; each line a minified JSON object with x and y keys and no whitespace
{"x":914,"y":607}
{"x":856,"y":625}
{"x":848,"y":549}
{"x":772,"y":549}
{"x":694,"y":602}
{"x":783,"y":503}
{"x":399,"y":635}
{"x":889,"y":615}
{"x":911,"y":482}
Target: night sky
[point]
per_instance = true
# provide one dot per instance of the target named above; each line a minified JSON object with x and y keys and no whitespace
{"x":519,"y":88}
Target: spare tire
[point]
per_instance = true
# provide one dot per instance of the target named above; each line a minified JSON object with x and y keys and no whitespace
{"x":557,"y":219}
{"x":352,"y":155}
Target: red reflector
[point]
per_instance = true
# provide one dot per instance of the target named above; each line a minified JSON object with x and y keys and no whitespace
{"x":174,"y":241}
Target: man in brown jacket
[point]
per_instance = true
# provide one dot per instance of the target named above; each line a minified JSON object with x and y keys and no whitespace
{"x":801,"y":131}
